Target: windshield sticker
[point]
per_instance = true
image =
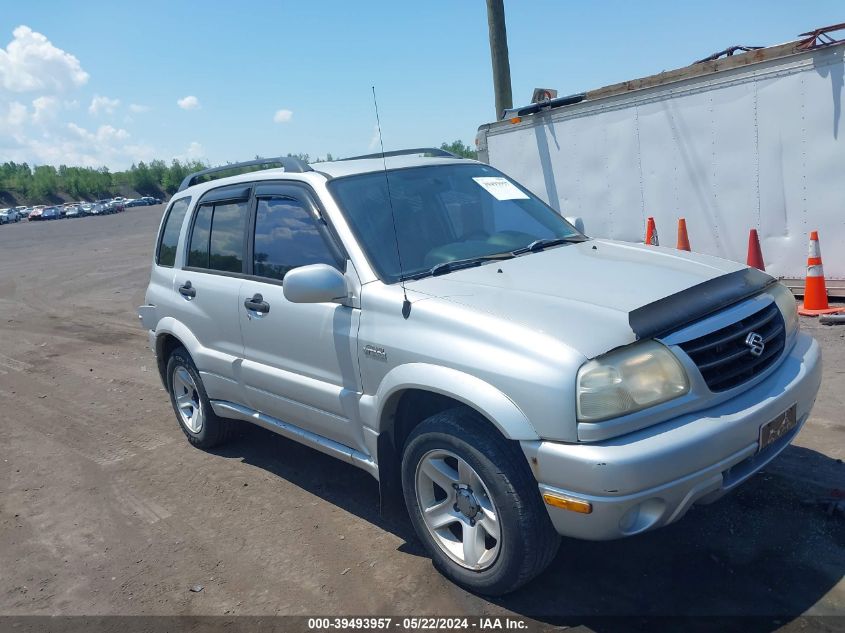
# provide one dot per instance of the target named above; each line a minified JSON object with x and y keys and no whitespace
{"x":500,"y":188}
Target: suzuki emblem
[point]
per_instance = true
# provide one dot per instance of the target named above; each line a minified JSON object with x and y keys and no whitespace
{"x":755,"y":343}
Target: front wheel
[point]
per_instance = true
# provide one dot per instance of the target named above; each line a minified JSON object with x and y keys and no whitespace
{"x":475,"y":504}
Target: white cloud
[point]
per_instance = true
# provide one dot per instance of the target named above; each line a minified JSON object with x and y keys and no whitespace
{"x":45,"y":110}
{"x":16,"y":115}
{"x":12,"y":118}
{"x":103,"y":104}
{"x":30,"y":62}
{"x":195,"y":151}
{"x":16,"y":119}
{"x":188,"y":103}
{"x":53,"y":142}
{"x":137,"y":108}
{"x":104,"y":134}
{"x":36,"y":129}
{"x":282,"y":116}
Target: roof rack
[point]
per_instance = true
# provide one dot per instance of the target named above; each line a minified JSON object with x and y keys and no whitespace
{"x":289,"y":163}
{"x":431,"y":151}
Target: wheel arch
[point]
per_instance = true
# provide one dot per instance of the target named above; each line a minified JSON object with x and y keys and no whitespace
{"x":412,"y":393}
{"x":455,"y":385}
{"x":171,"y":334}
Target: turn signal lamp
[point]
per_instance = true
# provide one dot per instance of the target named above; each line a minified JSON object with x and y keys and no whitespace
{"x":568,"y":503}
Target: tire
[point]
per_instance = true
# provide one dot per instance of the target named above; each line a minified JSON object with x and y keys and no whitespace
{"x":190,"y":403}
{"x":457,"y":447}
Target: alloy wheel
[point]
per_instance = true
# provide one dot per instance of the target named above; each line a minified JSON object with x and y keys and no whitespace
{"x":187,"y":397}
{"x":458,"y":510}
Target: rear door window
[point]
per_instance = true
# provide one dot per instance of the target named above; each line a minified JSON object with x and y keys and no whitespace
{"x":218,"y":236}
{"x":226,"y":245}
{"x":198,"y":251}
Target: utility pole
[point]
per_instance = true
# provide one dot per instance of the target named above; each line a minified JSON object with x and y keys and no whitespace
{"x":499,"y":56}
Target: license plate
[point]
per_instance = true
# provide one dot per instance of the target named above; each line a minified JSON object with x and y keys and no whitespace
{"x":772,"y":431}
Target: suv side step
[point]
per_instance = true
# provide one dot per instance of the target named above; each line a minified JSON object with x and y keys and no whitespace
{"x":323,"y":444}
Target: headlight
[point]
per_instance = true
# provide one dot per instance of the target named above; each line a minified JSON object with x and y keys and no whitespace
{"x":788,"y":307}
{"x":627,"y":380}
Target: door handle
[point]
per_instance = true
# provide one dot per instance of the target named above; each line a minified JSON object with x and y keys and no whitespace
{"x":187,"y":290}
{"x":257,"y":304}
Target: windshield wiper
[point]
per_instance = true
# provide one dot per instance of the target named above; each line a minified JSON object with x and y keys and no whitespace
{"x":538,"y":245}
{"x":457,"y":264}
{"x":470,"y":262}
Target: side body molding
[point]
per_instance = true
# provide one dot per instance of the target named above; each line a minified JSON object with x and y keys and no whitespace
{"x":377,"y":410}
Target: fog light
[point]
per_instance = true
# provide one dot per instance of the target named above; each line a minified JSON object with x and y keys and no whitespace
{"x":568,"y":503}
{"x":642,"y":516}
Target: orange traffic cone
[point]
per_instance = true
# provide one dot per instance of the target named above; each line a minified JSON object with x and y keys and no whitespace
{"x":651,"y":233}
{"x":755,"y":254}
{"x":683,"y":238}
{"x":815,"y":291}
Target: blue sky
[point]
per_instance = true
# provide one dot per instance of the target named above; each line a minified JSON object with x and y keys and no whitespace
{"x":99,"y":82}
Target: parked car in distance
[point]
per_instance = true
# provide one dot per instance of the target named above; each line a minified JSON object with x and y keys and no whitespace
{"x":136,"y":202}
{"x":75,"y":212}
{"x":35,"y":214}
{"x":24,"y":212}
{"x":51,"y":213}
{"x":8,"y":216}
{"x":447,"y":331}
{"x":150,"y":200}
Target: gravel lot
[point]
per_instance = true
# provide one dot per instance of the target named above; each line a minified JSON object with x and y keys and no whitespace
{"x":106,"y":509}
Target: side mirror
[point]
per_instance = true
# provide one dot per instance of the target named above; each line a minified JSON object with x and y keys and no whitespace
{"x":316,"y":283}
{"x":578,"y":223}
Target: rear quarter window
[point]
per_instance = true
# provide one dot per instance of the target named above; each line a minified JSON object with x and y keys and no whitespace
{"x":169,"y":239}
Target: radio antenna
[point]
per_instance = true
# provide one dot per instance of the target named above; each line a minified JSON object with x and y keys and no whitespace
{"x":406,"y":305}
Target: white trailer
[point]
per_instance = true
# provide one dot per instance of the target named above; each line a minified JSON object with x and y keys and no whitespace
{"x":752,"y":140}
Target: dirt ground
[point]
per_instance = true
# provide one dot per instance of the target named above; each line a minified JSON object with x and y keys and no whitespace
{"x":106,"y":509}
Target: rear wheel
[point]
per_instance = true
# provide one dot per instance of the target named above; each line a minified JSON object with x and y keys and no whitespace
{"x":475,"y":504}
{"x":199,"y":423}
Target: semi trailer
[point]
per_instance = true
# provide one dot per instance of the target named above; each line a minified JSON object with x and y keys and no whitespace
{"x":747,"y":138}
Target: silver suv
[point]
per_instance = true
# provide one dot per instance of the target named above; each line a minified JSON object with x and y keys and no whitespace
{"x":429,"y":320}
{"x":7,"y":216}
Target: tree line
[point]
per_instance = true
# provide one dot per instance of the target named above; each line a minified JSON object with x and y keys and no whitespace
{"x":43,"y":183}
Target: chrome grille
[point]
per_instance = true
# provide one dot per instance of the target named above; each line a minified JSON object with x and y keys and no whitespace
{"x":723,"y":357}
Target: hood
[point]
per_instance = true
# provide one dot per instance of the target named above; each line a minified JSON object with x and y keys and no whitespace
{"x":597,"y":295}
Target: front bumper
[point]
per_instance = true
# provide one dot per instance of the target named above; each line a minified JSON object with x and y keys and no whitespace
{"x":650,"y":478}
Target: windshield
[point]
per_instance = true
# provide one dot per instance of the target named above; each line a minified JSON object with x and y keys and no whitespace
{"x":443,"y":213}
